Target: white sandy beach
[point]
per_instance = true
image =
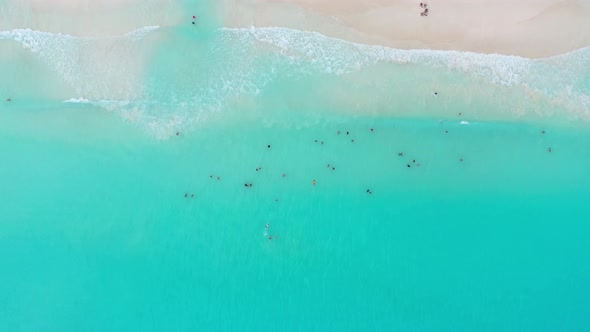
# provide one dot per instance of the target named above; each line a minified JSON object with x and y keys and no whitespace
{"x":530,"y":28}
{"x":89,"y":18}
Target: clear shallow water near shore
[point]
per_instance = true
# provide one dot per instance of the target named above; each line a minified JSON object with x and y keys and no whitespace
{"x":96,"y":233}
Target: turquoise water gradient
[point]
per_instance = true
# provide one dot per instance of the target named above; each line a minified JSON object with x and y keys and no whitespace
{"x":488,"y":233}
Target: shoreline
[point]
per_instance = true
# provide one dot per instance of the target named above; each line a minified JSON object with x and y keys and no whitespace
{"x":538,"y":29}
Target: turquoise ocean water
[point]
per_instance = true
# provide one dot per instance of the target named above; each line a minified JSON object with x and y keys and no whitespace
{"x":477,"y":227}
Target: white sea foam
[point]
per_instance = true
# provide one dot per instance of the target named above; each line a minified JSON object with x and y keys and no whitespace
{"x":464,"y":122}
{"x":560,"y":80}
{"x":245,"y":61}
{"x":77,"y":101}
{"x":141,"y":32}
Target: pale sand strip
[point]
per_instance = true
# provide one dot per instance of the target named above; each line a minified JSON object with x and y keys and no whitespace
{"x":89,"y":18}
{"x":530,"y":28}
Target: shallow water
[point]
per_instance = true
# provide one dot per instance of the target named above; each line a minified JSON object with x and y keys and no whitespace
{"x":487,"y":233}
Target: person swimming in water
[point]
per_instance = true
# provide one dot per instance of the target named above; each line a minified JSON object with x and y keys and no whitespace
{"x":185,"y":195}
{"x":268,"y":146}
{"x":313,"y":182}
{"x":401,"y":154}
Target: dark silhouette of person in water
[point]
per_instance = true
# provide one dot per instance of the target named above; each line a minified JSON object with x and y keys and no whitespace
{"x":401,"y":154}
{"x":185,"y":195}
{"x":8,"y":100}
{"x":268,"y":146}
{"x":549,"y":150}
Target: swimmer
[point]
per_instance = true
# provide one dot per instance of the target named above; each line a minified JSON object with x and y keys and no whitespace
{"x":270,"y":237}
{"x":414,"y":161}
{"x":276,"y":199}
{"x":185,"y":194}
{"x":328,"y":166}
{"x":460,"y":113}
{"x":549,"y":150}
{"x":372,"y":130}
{"x":322,"y":142}
{"x":333,"y":168}
{"x":267,"y":226}
{"x":435,"y":93}
{"x":313,"y":182}
{"x":542,"y":132}
{"x":193,"y":22}
{"x":347,"y":133}
{"x":211,"y":176}
{"x":338,"y":132}
{"x":177,"y":133}
{"x":284,"y":175}
{"x":460,"y":160}
{"x":352,"y":140}
{"x":418,"y":165}
{"x":192,"y":195}
{"x":8,"y":100}
{"x":315,"y":141}
{"x":446,"y":131}
{"x":401,"y":154}
{"x":268,"y":146}
{"x":218,"y":178}
{"x":408,"y":165}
